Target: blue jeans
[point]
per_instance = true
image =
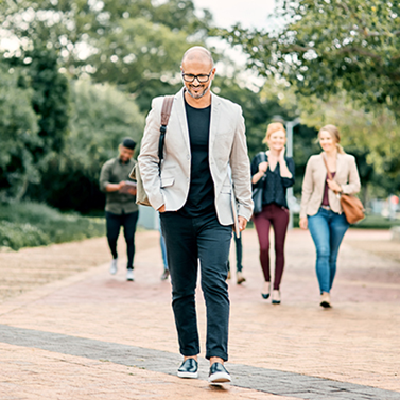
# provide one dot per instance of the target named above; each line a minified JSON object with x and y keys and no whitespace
{"x":163,"y":250}
{"x":327,"y":230}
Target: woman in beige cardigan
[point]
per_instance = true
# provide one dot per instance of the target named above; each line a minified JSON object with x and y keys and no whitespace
{"x":320,"y":209}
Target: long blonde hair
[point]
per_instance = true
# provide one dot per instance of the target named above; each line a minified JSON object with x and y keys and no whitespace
{"x":335,"y":134}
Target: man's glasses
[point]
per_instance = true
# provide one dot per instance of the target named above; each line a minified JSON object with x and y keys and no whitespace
{"x":201,"y":78}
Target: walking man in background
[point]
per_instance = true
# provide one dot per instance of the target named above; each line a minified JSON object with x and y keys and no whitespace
{"x":194,"y":191}
{"x":121,"y":208}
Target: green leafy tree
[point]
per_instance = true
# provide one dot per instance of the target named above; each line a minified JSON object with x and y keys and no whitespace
{"x":18,"y":132}
{"x":325,"y":47}
{"x":136,"y":45}
{"x":101,"y":117}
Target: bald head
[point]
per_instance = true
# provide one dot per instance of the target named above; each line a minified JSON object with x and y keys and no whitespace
{"x":198,"y":54}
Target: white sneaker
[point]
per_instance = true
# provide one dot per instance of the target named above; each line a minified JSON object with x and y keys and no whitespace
{"x":218,"y":374}
{"x":114,"y":266}
{"x":129,"y":275}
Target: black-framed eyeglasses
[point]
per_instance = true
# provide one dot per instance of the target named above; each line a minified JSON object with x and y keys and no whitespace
{"x":201,"y":78}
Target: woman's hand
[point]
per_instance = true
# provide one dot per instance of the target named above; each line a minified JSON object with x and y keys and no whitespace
{"x":281,"y":157}
{"x":303,"y":223}
{"x":262,"y":167}
{"x":334,"y":186}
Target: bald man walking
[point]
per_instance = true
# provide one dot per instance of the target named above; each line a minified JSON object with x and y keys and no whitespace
{"x":205,"y":166}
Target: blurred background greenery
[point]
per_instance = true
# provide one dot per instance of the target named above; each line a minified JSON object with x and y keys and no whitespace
{"x":77,"y":76}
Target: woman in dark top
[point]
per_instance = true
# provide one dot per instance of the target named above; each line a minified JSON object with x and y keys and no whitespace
{"x":273,"y":172}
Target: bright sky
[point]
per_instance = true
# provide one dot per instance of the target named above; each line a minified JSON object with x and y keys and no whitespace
{"x":250,"y":13}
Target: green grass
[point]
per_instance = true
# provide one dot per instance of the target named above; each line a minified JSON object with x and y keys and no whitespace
{"x":31,"y":224}
{"x":375,"y":221}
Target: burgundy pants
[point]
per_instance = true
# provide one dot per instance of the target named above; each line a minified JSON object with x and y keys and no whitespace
{"x":279,"y":218}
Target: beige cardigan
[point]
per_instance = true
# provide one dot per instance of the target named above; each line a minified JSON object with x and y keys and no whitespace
{"x":313,"y":187}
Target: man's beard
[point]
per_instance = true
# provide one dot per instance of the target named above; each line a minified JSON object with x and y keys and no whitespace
{"x":199,"y":95}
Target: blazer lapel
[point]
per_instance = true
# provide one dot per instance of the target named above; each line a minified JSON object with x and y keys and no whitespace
{"x":324,"y":171}
{"x":214,"y":120}
{"x":182,"y":117}
{"x":339,"y":164}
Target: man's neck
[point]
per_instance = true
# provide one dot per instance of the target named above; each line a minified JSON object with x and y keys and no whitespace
{"x":204,"y":102}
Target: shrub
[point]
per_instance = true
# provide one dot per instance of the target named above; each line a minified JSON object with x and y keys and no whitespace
{"x":32,"y":224}
{"x":19,"y":235}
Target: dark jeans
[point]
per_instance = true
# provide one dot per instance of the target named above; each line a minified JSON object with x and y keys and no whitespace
{"x":113,"y":224}
{"x":187,"y":240}
{"x":239,"y":253}
{"x":279,"y":218}
{"x":327,"y":230}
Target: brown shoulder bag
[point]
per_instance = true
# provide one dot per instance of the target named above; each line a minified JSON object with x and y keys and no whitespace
{"x":351,"y":205}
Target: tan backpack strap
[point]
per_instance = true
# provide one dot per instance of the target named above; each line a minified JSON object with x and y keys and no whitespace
{"x":166,"y":109}
{"x":165,"y":114}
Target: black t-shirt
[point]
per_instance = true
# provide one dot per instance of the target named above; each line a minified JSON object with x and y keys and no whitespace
{"x":201,"y":193}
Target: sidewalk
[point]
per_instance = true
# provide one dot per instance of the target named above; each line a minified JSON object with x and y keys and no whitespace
{"x":96,"y":336}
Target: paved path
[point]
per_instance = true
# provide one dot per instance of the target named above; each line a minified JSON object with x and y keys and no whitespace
{"x":93,"y":336}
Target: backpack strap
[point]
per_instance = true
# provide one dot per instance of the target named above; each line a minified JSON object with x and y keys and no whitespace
{"x":165,"y":114}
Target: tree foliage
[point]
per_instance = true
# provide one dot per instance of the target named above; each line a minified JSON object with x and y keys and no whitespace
{"x":101,"y":116}
{"x":132,"y":44}
{"x":18,"y":132}
{"x":327,"y":46}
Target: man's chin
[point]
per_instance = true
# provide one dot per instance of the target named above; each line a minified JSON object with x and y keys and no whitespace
{"x":197,"y":94}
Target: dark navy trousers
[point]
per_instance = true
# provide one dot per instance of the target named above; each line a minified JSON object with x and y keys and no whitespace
{"x":114,"y":222}
{"x":189,"y":240}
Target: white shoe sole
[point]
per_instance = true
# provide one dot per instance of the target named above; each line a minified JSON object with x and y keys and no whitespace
{"x":187,"y":375}
{"x":219,"y":377}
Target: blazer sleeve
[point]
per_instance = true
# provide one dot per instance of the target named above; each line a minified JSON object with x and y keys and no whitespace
{"x":306,"y":189}
{"x":240,"y":168}
{"x":354,"y":183}
{"x":148,"y":159}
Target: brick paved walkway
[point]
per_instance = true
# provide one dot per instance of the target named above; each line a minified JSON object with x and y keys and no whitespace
{"x":93,"y":336}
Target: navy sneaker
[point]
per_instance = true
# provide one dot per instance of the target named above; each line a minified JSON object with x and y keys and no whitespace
{"x":218,"y":374}
{"x":188,"y":369}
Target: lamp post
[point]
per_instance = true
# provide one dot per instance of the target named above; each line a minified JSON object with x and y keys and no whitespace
{"x":289,"y":153}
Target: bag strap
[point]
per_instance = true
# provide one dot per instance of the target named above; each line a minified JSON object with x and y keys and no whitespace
{"x":327,"y":168}
{"x":165,"y":114}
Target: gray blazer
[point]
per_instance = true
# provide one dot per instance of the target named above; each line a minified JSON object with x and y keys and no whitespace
{"x":227,"y":150}
{"x":313,"y":188}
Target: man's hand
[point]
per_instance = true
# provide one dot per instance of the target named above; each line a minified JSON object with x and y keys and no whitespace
{"x":161,"y":209}
{"x":121,"y":185}
{"x":242,"y":223}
